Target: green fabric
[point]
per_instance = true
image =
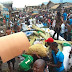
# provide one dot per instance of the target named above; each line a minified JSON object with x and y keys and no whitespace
{"x":26,"y":64}
{"x":1,"y":19}
{"x":39,"y":31}
{"x":71,"y":31}
{"x":66,"y":44}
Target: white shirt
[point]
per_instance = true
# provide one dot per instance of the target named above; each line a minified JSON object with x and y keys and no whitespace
{"x":62,"y":28}
{"x":24,"y":26}
{"x":34,"y":20}
{"x":11,"y":24}
{"x":39,"y":25}
{"x":54,"y":23}
{"x":30,"y":20}
{"x":41,"y":16}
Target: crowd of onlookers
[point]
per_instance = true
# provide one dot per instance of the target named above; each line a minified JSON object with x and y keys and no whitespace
{"x":61,"y":23}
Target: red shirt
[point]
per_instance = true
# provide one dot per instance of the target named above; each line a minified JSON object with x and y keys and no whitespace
{"x":49,"y":20}
{"x":4,"y":21}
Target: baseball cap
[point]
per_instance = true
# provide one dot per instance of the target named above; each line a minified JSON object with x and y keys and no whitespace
{"x":49,"y":40}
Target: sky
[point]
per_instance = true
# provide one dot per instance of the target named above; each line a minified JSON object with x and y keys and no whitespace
{"x":58,"y":1}
{"x":22,"y":3}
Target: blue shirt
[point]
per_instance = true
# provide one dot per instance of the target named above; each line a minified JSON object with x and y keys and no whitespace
{"x":70,"y":21}
{"x":18,"y":23}
{"x":45,"y":24}
{"x":65,"y":16}
{"x":59,"y":57}
{"x":7,"y":16}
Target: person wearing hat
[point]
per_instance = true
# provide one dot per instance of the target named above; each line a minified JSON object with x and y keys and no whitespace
{"x":48,"y":43}
{"x":49,"y":40}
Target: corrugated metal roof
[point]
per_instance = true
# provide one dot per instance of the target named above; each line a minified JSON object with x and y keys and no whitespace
{"x":68,"y":6}
{"x":55,"y":6}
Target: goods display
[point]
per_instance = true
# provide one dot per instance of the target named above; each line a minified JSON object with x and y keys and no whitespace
{"x":37,"y":28}
{"x":39,"y":49}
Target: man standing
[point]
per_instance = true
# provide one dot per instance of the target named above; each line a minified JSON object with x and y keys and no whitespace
{"x":58,"y":58}
{"x":57,"y":28}
{"x":8,"y":32}
{"x":70,"y":20}
{"x":7,"y":19}
{"x":62,"y":30}
{"x":68,"y":31}
{"x":15,"y":27}
{"x":65,"y":16}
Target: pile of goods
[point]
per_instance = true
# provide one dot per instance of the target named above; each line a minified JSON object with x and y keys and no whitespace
{"x":39,"y":49}
{"x":37,"y":42}
{"x":40,"y":35}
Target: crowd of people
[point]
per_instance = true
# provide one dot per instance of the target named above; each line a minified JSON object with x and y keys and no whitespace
{"x":61,"y":23}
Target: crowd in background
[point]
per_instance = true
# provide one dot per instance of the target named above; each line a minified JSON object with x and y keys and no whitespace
{"x":61,"y":23}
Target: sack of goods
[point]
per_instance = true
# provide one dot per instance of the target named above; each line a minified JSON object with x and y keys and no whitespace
{"x":39,"y":49}
{"x":66,"y":52}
